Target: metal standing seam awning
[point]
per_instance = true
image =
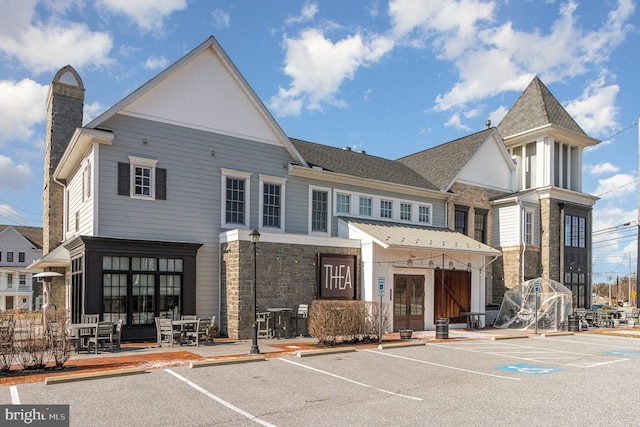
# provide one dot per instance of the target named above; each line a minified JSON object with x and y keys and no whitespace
{"x":413,"y":236}
{"x":59,"y":257}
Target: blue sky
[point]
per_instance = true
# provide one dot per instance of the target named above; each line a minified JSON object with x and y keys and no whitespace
{"x":389,"y":77}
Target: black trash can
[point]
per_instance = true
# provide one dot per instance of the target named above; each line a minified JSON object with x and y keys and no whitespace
{"x":574,"y":323}
{"x":442,"y":329}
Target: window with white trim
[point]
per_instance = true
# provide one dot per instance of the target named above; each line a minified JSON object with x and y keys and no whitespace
{"x":21,"y":256}
{"x":235,"y":198}
{"x":366,"y":204}
{"x":386,"y":209}
{"x":424,"y":214}
{"x":343,"y":203}
{"x":319,"y":210}
{"x":9,"y":280}
{"x":86,"y":182}
{"x":142,"y":179}
{"x":528,"y":227}
{"x":272,"y":190}
{"x":405,"y":211}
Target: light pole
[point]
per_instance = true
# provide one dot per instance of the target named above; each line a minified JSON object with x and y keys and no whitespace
{"x":254,"y":236}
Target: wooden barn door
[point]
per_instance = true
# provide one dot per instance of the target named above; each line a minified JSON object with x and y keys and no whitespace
{"x":454,"y":297}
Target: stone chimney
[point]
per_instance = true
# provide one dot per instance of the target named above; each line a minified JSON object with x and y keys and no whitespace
{"x":64,"y":115}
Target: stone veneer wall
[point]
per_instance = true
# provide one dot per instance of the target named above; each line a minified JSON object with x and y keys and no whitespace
{"x":550,"y":239}
{"x":287,"y":275}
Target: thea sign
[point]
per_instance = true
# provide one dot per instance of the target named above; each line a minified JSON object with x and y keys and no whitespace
{"x":337,"y":277}
{"x":34,"y":415}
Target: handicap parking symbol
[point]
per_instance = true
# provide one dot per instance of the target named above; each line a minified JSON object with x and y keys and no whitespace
{"x":523,"y":368}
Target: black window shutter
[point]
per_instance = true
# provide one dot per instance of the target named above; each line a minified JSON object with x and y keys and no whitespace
{"x":123,"y":179}
{"x":161,"y":184}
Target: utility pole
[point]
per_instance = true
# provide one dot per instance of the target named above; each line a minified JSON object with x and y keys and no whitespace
{"x":638,"y":222}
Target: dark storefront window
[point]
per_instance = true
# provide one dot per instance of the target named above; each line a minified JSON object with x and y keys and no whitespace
{"x":76,"y":289}
{"x":141,"y":288}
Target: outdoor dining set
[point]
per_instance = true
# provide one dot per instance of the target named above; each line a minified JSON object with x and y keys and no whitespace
{"x":608,"y":318}
{"x":187,"y":330}
{"x":92,"y":334}
{"x":282,"y":322}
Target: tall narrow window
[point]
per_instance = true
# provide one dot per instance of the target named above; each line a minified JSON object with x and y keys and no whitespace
{"x":575,"y":231}
{"x":9,"y":256}
{"x":271,"y":205}
{"x":528,"y":228}
{"x":405,"y":211}
{"x":480,"y":226}
{"x":319,"y":211}
{"x":21,"y":256}
{"x":235,"y":201}
{"x":460,"y":220}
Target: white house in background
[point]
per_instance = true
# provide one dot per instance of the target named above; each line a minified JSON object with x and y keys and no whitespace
{"x":19,"y":247}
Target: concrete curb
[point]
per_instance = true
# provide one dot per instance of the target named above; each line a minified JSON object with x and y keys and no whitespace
{"x":93,"y":375}
{"x":227,"y":361}
{"x":508,"y":337}
{"x":305,"y":353}
{"x":556,"y":334}
{"x":401,"y":344}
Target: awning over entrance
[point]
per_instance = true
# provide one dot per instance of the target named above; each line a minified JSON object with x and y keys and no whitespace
{"x":411,"y":236}
{"x":59,"y":257}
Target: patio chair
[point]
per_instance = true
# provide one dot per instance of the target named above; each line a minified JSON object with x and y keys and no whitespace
{"x":166,"y":333}
{"x":205,"y":329}
{"x":103,"y":335}
{"x":85,"y":334}
{"x":117,"y":334}
{"x":188,"y":317}
{"x":191,"y":332}
{"x":264,"y":325}
{"x":300,"y":313}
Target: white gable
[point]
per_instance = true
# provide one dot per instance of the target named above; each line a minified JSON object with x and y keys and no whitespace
{"x":203,"y":94}
{"x":489,"y":167}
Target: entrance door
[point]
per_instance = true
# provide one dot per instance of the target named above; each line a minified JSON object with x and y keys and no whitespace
{"x":453,"y":295}
{"x":9,"y":302}
{"x":408,"y":311}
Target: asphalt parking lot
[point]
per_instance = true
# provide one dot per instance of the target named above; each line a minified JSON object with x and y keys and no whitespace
{"x":582,"y":379}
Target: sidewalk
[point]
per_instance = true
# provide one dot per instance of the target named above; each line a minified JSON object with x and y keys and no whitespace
{"x":149,"y":356}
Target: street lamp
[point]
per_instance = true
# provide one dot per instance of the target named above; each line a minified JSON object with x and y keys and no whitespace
{"x":254,"y":236}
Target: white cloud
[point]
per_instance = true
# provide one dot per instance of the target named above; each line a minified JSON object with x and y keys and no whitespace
{"x":616,"y":187}
{"x":455,"y":122}
{"x":127,"y":50}
{"x":602,"y":168}
{"x":221,"y":19}
{"x":308,"y":12}
{"x":155,"y":63}
{"x":148,"y":15}
{"x":595,"y":109}
{"x":497,"y":115}
{"x":21,"y":108}
{"x":13,"y":175}
{"x":91,"y":111}
{"x":492,"y":59}
{"x":48,"y":46}
{"x":318,"y":66}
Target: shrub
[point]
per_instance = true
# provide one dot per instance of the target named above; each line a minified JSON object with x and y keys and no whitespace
{"x":331,"y":321}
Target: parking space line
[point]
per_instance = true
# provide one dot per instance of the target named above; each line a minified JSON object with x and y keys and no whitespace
{"x":219,"y":400}
{"x":349,"y":380}
{"x":443,"y":366}
{"x":15,"y":398}
{"x":532,"y":350}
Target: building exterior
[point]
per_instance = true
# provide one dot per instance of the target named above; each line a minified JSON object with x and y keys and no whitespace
{"x":161,"y":191}
{"x":19,"y":247}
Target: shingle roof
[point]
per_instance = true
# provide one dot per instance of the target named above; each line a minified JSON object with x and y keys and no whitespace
{"x":33,"y":234}
{"x":536,"y":107}
{"x":359,"y":164}
{"x":442,"y":163}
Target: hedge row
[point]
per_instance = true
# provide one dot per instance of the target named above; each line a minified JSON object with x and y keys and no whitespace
{"x":332,"y":321}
